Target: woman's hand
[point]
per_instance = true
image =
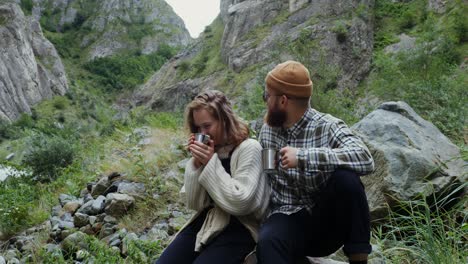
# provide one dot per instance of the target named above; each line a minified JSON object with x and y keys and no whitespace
{"x":201,"y":153}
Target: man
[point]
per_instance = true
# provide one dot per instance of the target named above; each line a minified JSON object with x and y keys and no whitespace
{"x":318,"y":203}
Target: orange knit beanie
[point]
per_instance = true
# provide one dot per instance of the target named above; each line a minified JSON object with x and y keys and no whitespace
{"x":290,"y":78}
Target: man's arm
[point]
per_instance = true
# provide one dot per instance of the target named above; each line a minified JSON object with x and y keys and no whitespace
{"x":345,"y":150}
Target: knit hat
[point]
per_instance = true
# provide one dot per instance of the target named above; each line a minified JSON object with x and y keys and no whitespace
{"x":290,"y":78}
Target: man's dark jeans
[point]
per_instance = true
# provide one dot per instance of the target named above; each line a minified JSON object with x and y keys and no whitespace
{"x":341,"y":217}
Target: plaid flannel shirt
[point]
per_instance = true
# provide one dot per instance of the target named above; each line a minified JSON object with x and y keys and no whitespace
{"x":324,"y":144}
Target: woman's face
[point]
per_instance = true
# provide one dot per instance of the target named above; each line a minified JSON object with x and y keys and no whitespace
{"x":207,"y":124}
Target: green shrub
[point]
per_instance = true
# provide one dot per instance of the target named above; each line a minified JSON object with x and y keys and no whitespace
{"x":27,"y":6}
{"x":25,"y":121}
{"x":7,"y":130}
{"x":124,"y":72}
{"x":17,"y":196}
{"x":48,"y":155}
{"x":184,"y":67}
{"x":60,"y":102}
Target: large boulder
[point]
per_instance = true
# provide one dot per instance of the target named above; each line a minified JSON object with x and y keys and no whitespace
{"x":30,"y":68}
{"x":412,"y":157}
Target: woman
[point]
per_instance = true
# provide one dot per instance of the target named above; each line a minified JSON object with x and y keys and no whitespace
{"x":224,"y":184}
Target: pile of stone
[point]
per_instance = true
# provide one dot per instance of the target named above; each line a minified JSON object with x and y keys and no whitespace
{"x":95,"y":212}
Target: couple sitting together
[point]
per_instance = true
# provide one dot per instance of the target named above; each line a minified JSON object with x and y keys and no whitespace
{"x":311,"y":205}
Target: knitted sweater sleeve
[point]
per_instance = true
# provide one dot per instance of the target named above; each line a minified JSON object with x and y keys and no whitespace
{"x":238,"y":193}
{"x":196,"y":196}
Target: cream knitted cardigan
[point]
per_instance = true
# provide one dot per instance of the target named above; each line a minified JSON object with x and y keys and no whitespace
{"x":244,"y":194}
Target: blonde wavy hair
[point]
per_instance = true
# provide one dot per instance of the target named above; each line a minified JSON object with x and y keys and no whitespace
{"x":216,"y":103}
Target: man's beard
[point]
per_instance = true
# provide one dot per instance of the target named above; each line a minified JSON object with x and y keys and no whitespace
{"x":275,"y":117}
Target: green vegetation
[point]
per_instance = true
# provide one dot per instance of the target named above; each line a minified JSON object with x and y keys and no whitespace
{"x":18,"y":197}
{"x":96,"y":251}
{"x":26,"y":6}
{"x":70,"y":140}
{"x":124,"y":72}
{"x":426,"y":230}
{"x":208,"y":60}
{"x":48,"y":155}
{"x":427,"y":77}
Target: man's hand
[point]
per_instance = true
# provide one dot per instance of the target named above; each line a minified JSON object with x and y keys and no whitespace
{"x":288,"y":157}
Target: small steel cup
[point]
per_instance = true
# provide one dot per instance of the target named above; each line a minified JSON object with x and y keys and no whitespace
{"x":202,"y":138}
{"x":270,"y":159}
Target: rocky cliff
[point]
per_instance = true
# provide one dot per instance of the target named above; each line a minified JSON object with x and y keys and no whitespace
{"x":112,"y":26}
{"x":332,"y":38}
{"x":30,"y":69}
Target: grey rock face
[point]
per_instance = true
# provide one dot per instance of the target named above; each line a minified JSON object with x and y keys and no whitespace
{"x":118,"y":25}
{"x":412,"y":157}
{"x":349,"y":52}
{"x":30,"y":68}
{"x":437,"y":6}
{"x":164,"y":92}
{"x":406,"y":44}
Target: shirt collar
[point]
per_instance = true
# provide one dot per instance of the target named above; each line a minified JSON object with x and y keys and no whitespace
{"x":299,"y":125}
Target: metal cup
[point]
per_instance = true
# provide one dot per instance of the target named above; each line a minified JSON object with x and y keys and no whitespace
{"x":270,"y":159}
{"x":203,"y":138}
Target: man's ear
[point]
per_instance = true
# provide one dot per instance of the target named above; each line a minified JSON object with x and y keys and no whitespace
{"x":284,"y":101}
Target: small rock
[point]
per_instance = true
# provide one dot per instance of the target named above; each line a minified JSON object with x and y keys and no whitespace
{"x":72,"y":206}
{"x":81,"y":254}
{"x":80,"y":219}
{"x":75,"y":242}
{"x":64,"y":198}
{"x":10,"y":156}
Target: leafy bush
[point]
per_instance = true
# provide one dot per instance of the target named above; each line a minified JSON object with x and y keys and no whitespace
{"x":60,"y":102}
{"x":123,"y":72}
{"x":27,"y":6}
{"x":7,"y":130}
{"x":25,"y":121}
{"x":17,"y":196}
{"x":48,"y":155}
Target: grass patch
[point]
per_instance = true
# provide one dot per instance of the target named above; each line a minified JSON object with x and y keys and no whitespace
{"x":425,"y":232}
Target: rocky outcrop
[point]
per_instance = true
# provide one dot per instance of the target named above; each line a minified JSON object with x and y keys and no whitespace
{"x":30,"y":68}
{"x":113,"y":26}
{"x":165,"y":92}
{"x":258,"y":34}
{"x":412,"y":158}
{"x":344,"y":34}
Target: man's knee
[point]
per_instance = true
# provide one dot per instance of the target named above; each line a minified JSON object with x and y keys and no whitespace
{"x":267,"y":237}
{"x":347,"y":182}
